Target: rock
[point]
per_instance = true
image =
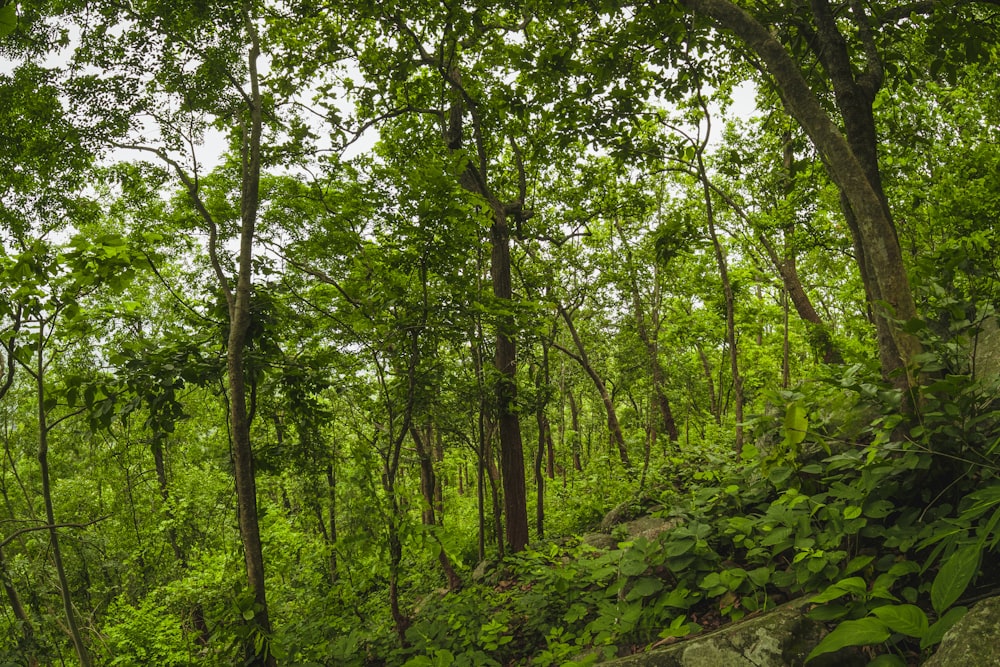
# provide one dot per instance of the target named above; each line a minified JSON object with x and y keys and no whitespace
{"x":620,"y":514}
{"x":481,"y":569}
{"x":649,"y":527}
{"x":780,"y":638}
{"x":986,"y":352}
{"x":974,"y":640}
{"x":600,"y":541}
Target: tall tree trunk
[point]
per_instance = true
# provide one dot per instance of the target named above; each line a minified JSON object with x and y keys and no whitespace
{"x":574,"y":412}
{"x":239,"y":326}
{"x":511,"y":447}
{"x":474,"y":179}
{"x":331,"y":492}
{"x":82,"y":654}
{"x":727,"y":290}
{"x":542,"y":423}
{"x":614,"y":428}
{"x":851,"y":160}
{"x":428,"y":485}
{"x":649,"y":341}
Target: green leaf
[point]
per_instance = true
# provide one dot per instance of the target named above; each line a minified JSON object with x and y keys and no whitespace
{"x":954,"y":577}
{"x":907,"y":619}
{"x":248,"y":614}
{"x":858,"y":563}
{"x":8,"y":19}
{"x":853,"y":585}
{"x":852,"y":512}
{"x":936,"y":632}
{"x":796,"y":423}
{"x":645,"y":587}
{"x":863,"y":632}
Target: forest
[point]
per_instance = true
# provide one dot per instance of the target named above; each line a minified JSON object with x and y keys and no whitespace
{"x":330,"y":332}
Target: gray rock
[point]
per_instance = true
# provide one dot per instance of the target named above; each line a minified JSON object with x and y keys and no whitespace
{"x":649,"y":527}
{"x":781,"y":638}
{"x":620,"y":514}
{"x":974,"y":640}
{"x":986,"y":352}
{"x":600,"y":541}
{"x":482,"y":569}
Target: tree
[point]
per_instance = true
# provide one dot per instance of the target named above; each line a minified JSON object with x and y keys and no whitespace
{"x":850,"y":155}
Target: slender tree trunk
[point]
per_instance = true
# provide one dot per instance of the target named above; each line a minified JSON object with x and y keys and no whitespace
{"x":727,"y":290}
{"x":649,"y":342}
{"x":614,"y":428}
{"x":239,"y":325}
{"x":852,"y":160}
{"x":83,"y":655}
{"x":428,"y":484}
{"x":331,"y":492}
{"x":542,"y":423}
{"x":574,"y":412}
{"x":197,"y":611}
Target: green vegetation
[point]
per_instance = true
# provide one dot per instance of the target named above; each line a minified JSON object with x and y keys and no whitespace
{"x":330,"y":332}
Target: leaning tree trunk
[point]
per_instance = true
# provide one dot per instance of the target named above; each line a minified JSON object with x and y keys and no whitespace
{"x":614,"y":427}
{"x":850,"y":160}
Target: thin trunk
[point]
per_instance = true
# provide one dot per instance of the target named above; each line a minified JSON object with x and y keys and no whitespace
{"x":574,"y":412}
{"x":26,"y":642}
{"x":331,"y":486}
{"x":542,"y":422}
{"x":428,"y":482}
{"x":197,"y":611}
{"x":706,"y":368}
{"x":786,"y":368}
{"x":477,"y":366}
{"x":614,"y":428}
{"x":649,"y":342}
{"x":239,"y":326}
{"x":727,"y":290}
{"x":43,"y":462}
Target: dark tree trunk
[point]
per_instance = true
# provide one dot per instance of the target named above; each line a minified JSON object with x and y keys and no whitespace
{"x":83,"y":655}
{"x":428,"y":484}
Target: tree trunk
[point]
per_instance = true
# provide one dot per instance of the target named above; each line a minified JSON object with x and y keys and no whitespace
{"x":428,"y":484}
{"x":331,"y":486}
{"x":474,"y":180}
{"x":82,"y":654}
{"x":650,"y":343}
{"x":851,"y":161}
{"x":614,"y":428}
{"x":574,"y":412}
{"x":511,"y":447}
{"x":239,"y":326}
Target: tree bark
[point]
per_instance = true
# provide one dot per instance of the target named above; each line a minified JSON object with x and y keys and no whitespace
{"x":614,"y":428}
{"x":82,"y":654}
{"x":850,"y":160}
{"x":239,"y":326}
{"x":428,"y":486}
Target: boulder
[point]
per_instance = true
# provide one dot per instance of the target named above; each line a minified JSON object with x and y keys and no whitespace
{"x":780,"y":638}
{"x":974,"y":640}
{"x":601,"y":541}
{"x":649,"y":527}
{"x":620,"y":514}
